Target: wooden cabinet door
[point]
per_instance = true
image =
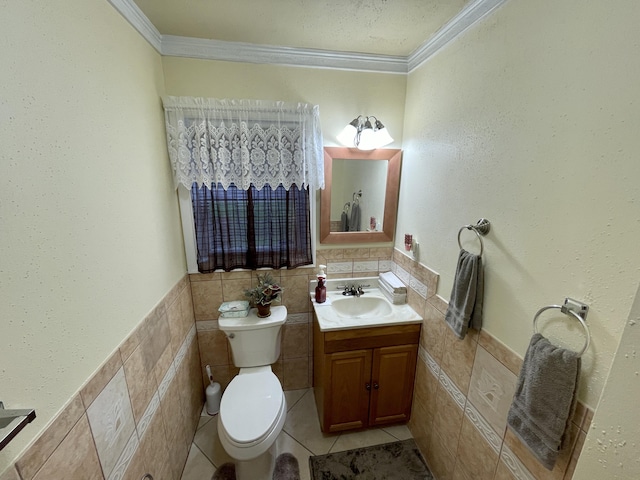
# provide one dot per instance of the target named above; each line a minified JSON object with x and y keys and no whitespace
{"x":349,"y":380}
{"x":392,"y":384}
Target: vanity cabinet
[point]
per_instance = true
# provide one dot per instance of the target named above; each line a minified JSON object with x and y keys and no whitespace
{"x":364,"y":377}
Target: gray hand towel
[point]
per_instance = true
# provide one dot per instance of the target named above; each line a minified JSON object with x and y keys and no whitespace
{"x":354,"y":222}
{"x":465,"y":305}
{"x":545,"y":398}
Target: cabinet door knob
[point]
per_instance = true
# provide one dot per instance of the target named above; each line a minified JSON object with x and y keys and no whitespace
{"x":367,"y":386}
{"x":376,"y":386}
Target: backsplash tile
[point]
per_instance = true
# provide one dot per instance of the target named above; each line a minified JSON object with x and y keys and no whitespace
{"x":111,"y":420}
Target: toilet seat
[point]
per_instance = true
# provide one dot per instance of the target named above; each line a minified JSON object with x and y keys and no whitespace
{"x":252,"y":405}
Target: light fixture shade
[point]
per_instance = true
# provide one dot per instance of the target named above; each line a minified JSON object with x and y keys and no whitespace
{"x":348,"y":135}
{"x":368,"y":139}
{"x":383,"y":138}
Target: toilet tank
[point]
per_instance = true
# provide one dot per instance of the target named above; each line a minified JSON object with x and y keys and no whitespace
{"x":254,"y":341}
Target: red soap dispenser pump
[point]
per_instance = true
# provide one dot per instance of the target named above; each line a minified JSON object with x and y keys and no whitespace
{"x":321,"y":290}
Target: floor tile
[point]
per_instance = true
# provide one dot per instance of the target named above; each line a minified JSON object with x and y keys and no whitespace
{"x":198,"y":466}
{"x":365,"y":438}
{"x":293,"y":396}
{"x":303,"y":425}
{"x":401,"y":432}
{"x":286,"y":444}
{"x":207,"y":441}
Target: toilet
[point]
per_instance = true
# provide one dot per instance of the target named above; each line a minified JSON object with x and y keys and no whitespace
{"x":253,"y":407}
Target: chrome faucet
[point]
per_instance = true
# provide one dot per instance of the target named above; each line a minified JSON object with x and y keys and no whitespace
{"x":353,"y":290}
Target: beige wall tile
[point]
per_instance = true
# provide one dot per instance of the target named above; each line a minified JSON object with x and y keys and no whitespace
{"x":296,"y":373}
{"x":111,"y":420}
{"x":355,"y":253}
{"x":214,"y":347}
{"x":575,"y":455}
{"x":295,"y":340}
{"x":76,"y":457}
{"x":420,"y":426}
{"x":440,"y":303}
{"x":447,"y":419}
{"x":491,"y":389}
{"x":439,"y":458}
{"x":100,"y":379}
{"x":38,"y":453}
{"x":10,"y":474}
{"x":130,"y":344}
{"x":382,"y":253}
{"x":140,"y":383}
{"x":136,"y":468}
{"x":207,"y":297}
{"x":531,"y":463}
{"x":332,"y":253}
{"x":457,"y":358}
{"x":163,"y":364}
{"x":233,"y":289}
{"x":155,"y":449}
{"x":503,"y":354}
{"x":425,"y":391}
{"x":204,"y":277}
{"x":432,"y":334}
{"x":475,"y":455}
{"x":416,"y":301}
{"x":503,"y":472}
{"x":296,"y":294}
{"x":156,"y":338}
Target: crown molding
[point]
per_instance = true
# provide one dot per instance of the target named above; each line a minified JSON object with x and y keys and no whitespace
{"x":177,"y":46}
{"x":300,"y":57}
{"x":471,"y":14}
{"x":139,"y":21}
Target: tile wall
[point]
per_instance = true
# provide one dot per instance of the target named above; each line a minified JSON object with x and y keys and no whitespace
{"x":137,"y":414}
{"x":294,"y":368}
{"x":463,"y":390}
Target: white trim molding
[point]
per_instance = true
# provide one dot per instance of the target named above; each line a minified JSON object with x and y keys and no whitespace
{"x":299,"y":57}
{"x":176,"y":46}
{"x":138,"y":20}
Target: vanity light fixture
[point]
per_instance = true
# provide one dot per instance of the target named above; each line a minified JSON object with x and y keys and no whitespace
{"x":364,"y":135}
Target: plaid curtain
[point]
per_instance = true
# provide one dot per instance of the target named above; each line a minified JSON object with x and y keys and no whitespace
{"x":251,"y":228}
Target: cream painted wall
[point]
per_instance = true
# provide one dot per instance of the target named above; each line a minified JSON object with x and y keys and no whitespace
{"x":91,"y":237}
{"x":531,"y":120}
{"x":613,"y":444}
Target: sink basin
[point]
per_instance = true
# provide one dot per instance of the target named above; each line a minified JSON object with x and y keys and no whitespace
{"x":359,"y":307}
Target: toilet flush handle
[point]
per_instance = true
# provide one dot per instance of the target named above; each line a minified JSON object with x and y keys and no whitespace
{"x":231,"y":335}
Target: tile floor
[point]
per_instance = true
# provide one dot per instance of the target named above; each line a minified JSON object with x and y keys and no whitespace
{"x":300,"y":436}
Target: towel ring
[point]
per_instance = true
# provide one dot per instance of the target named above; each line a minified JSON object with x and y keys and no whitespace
{"x":567,"y":310}
{"x":480,"y":229}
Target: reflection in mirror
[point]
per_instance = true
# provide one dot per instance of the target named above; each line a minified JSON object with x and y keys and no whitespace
{"x":360,"y":199}
{"x":357,"y":195}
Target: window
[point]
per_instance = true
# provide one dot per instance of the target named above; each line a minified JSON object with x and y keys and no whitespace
{"x":252,"y":228}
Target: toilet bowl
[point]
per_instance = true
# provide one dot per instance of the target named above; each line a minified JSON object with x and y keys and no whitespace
{"x":252,"y":413}
{"x":253,"y":408}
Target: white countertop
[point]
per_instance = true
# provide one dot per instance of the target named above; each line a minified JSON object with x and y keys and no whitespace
{"x":329,"y":319}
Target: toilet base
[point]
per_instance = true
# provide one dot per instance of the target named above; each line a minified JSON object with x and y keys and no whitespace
{"x":259,"y":468}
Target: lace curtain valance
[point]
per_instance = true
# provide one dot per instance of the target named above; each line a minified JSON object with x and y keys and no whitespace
{"x":244,"y":142}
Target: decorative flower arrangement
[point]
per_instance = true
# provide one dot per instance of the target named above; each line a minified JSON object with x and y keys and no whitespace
{"x":266,"y":292}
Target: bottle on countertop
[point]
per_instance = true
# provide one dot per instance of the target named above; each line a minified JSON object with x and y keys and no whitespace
{"x":321,"y":289}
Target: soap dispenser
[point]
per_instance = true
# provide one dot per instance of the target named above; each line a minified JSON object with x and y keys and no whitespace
{"x":321,"y":289}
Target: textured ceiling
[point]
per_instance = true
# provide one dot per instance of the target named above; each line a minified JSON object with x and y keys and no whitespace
{"x":386,"y":27}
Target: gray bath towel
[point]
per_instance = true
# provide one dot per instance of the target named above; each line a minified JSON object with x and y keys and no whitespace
{"x":545,"y":398}
{"x":344,"y":222}
{"x":354,"y":221}
{"x":465,"y":305}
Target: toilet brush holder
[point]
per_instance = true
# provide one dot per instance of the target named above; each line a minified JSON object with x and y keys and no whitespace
{"x":214,"y":394}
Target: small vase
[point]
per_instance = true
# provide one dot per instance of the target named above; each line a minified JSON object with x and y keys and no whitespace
{"x":264,"y":310}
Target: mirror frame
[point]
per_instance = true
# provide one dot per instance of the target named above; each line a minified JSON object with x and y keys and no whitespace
{"x":394,"y":156}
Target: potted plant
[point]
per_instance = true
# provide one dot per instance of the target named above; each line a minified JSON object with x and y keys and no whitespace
{"x":266,"y":292}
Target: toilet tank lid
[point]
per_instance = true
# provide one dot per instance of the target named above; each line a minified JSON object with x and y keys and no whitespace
{"x":250,"y":405}
{"x":253,"y":322}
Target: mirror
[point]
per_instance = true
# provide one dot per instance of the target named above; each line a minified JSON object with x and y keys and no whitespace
{"x":359,"y":185}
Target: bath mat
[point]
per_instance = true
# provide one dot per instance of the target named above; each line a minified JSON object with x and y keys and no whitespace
{"x":389,"y":461}
{"x":286,"y":468}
